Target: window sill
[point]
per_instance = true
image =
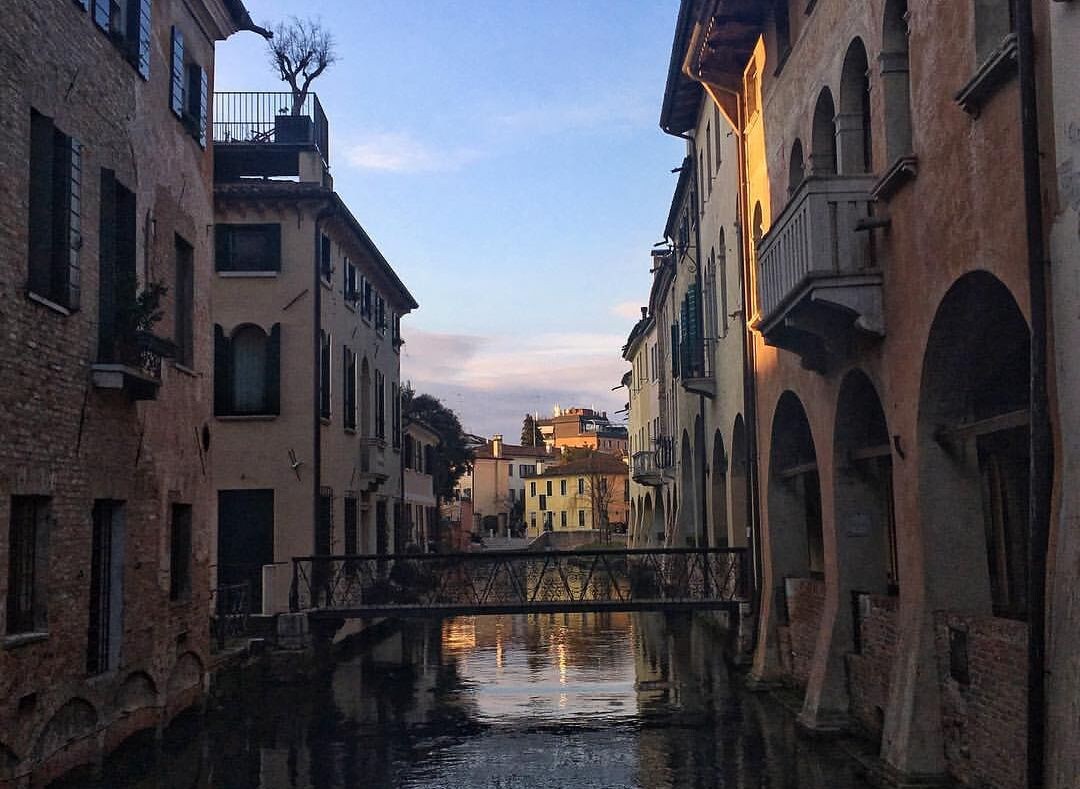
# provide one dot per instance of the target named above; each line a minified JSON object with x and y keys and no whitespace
{"x":245,"y":417}
{"x":17,"y":640}
{"x":247,"y":274}
{"x":48,"y":303}
{"x":994,"y":73}
{"x":183,"y":368}
{"x":325,"y":420}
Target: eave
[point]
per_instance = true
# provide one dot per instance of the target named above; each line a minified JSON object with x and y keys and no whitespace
{"x":682,"y":95}
{"x":723,"y":41}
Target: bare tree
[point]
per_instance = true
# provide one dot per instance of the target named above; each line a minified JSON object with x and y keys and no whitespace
{"x":600,"y":489}
{"x":301,"y":50}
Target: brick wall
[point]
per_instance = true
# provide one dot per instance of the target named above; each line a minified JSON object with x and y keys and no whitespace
{"x":805,"y":602}
{"x":870,"y":668}
{"x":984,"y":719}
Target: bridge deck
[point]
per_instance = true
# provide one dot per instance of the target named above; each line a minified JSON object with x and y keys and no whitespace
{"x":510,"y":582}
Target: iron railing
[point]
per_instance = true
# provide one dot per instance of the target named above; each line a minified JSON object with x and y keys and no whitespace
{"x":232,"y":612}
{"x":267,"y":118}
{"x":519,"y":582}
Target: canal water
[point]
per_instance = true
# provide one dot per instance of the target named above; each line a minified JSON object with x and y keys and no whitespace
{"x":582,"y":700}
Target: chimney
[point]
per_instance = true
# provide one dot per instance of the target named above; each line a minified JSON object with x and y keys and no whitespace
{"x":644,"y":313}
{"x":496,"y":445}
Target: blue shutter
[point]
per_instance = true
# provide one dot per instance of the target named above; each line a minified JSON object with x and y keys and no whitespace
{"x":83,"y":4}
{"x":142,"y":42}
{"x":176,"y":91}
{"x":103,"y":14}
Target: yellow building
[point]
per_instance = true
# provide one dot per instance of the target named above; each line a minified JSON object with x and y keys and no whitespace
{"x":569,"y":497}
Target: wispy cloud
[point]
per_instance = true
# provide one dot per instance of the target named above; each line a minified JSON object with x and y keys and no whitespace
{"x":493,"y":381}
{"x":584,"y":114}
{"x":626,"y":309}
{"x":400,"y":152}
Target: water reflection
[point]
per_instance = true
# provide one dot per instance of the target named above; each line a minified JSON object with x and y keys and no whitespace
{"x":594,"y":700}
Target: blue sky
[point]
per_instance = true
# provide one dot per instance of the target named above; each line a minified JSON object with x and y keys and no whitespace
{"x":505,"y":156}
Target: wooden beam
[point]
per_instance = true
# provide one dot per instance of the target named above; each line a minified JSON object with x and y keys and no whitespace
{"x":994,"y":424}
{"x":871,"y":453}
{"x":794,"y":471}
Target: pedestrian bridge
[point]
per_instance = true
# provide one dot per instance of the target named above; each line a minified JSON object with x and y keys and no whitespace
{"x":513,"y":582}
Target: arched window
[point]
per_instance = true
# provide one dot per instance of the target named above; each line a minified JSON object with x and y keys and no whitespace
{"x":247,"y":371}
{"x":853,"y":122}
{"x":721,"y":268}
{"x":795,"y":167}
{"x":823,"y":142}
{"x":757,"y":224}
{"x":896,"y":80}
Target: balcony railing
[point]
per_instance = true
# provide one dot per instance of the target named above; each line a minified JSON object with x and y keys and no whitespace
{"x":698,"y":366}
{"x":814,"y":235}
{"x":133,"y":365}
{"x":267,"y":119}
{"x":817,"y":279}
{"x":646,"y":468}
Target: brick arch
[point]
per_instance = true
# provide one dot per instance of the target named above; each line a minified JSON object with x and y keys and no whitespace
{"x":137,"y":691}
{"x":186,"y":673}
{"x":73,"y":721}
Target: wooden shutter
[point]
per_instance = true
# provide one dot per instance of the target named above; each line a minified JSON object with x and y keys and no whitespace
{"x":73,"y":246}
{"x":103,"y":14}
{"x":107,"y":266}
{"x":675,"y":349}
{"x":61,"y":197}
{"x":176,"y":90}
{"x":138,"y":35}
{"x":223,"y":372}
{"x":41,"y":208}
{"x":273,"y":370}
{"x":204,"y":105}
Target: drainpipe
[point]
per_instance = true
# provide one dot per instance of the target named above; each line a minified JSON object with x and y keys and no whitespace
{"x":1040,"y":470}
{"x":316,"y":435}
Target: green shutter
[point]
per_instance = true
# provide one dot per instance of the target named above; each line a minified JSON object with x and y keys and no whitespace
{"x":223,"y":373}
{"x":273,"y":371}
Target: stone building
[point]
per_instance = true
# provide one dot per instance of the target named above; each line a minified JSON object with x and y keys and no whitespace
{"x":105,"y":498}
{"x":587,"y":494}
{"x":881,"y":188}
{"x":495,"y":483}
{"x":307,"y":332}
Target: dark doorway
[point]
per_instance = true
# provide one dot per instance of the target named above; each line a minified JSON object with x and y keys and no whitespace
{"x":245,"y":538}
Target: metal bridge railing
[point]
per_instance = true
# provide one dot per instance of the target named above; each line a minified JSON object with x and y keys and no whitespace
{"x":510,"y":581}
{"x":232,"y":612}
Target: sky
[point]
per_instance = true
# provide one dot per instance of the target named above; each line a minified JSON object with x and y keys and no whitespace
{"x":506,"y":158}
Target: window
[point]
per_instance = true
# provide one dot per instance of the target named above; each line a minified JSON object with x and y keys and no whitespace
{"x":718,"y":127}
{"x":395,"y":415}
{"x":708,"y":154}
{"x":189,"y":90}
{"x":326,"y":263}
{"x":348,"y":398}
{"x":562,"y":518}
{"x":721,"y":265}
{"x":380,"y":404}
{"x":247,"y":371}
{"x":176,"y":85}
{"x":532,"y":521}
{"x":396,"y":331}
{"x":510,"y":469}
{"x":549,"y":487}
{"x":118,"y":281}
{"x":324,"y":374}
{"x":128,"y":23}
{"x":581,"y":519}
{"x":532,"y":489}
{"x":562,"y":487}
{"x":993,"y":22}
{"x":543,"y":502}
{"x":365,"y":298}
{"x":247,"y":247}
{"x":55,"y":223}
{"x":380,"y":315}
{"x":352,"y":523}
{"x":581,"y":485}
{"x":350,"y":287}
{"x":180,"y":553}
{"x":106,"y":620}
{"x":27,"y":564}
{"x":751,"y":87}
{"x":184,"y":332}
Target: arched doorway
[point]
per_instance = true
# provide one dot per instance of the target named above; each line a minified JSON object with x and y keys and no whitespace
{"x":739,"y":485}
{"x":645,"y":527}
{"x":685,"y":502}
{"x":719,"y":498}
{"x":973,"y":450}
{"x":659,"y":527}
{"x":700,"y":515}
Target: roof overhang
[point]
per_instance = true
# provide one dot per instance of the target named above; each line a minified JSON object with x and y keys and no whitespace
{"x":723,"y":40}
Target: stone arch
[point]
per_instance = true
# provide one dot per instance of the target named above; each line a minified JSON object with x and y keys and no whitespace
{"x":137,"y":691}
{"x":659,"y":527}
{"x":823,"y":138}
{"x":795,"y":528}
{"x":973,"y":450}
{"x":739,"y":484}
{"x":719,"y":497}
{"x":896,"y":80}
{"x":796,"y":167}
{"x":187,"y":673}
{"x":75,"y":720}
{"x":685,"y":502}
{"x":646,"y":529}
{"x":853,"y":126}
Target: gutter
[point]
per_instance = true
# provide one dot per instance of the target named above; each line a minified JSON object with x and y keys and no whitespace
{"x":1040,"y":437}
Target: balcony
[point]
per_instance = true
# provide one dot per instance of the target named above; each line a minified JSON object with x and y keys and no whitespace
{"x":819,"y":290}
{"x":133,"y":366}
{"x":653,"y":467}
{"x":372,"y":471}
{"x":256,"y":134}
{"x":698,"y":374}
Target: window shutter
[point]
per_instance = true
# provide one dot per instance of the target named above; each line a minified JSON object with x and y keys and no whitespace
{"x":273,"y":245}
{"x":273,"y":370}
{"x":102,"y":14}
{"x":61,"y":199}
{"x":176,"y":90}
{"x":223,"y":372}
{"x":138,"y":35}
{"x":204,"y":106}
{"x":74,"y":239}
{"x":83,"y":4}
{"x":106,"y":265}
{"x":222,"y":248}
{"x":675,"y":349}
{"x":41,"y":221}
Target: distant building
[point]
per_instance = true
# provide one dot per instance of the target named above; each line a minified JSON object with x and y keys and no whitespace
{"x":307,"y":327}
{"x":585,"y":428}
{"x":496,"y":483}
{"x":421,"y":521}
{"x":575,"y":496}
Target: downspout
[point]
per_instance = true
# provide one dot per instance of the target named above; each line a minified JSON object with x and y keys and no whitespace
{"x":316,"y":435}
{"x":1040,"y":469}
